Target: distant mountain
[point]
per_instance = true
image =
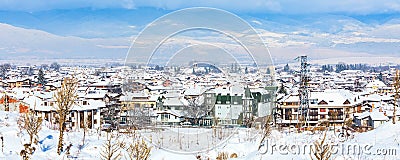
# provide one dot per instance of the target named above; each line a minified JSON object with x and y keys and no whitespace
{"x":105,"y":33}
{"x":85,"y":22}
{"x":19,"y":42}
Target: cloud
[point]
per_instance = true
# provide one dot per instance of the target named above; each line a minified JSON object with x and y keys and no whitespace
{"x":43,"y":5}
{"x":112,"y":46}
{"x":240,"y":6}
{"x":257,"y":22}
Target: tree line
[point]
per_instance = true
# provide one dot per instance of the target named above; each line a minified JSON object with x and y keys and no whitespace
{"x":363,"y":67}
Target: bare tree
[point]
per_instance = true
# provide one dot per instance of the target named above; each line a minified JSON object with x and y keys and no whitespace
{"x":65,"y":99}
{"x":267,"y":131}
{"x":139,"y":117}
{"x":128,"y":85}
{"x":85,"y":130}
{"x":32,"y":125}
{"x":195,"y":109}
{"x":396,"y":85}
{"x":55,"y":66}
{"x":333,"y":115}
{"x":222,"y":156}
{"x":138,"y":149}
{"x":27,"y":151}
{"x":321,"y":150}
{"x":111,"y":148}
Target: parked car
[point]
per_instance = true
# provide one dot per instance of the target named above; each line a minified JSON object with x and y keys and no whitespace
{"x":105,"y":126}
{"x":186,"y":124}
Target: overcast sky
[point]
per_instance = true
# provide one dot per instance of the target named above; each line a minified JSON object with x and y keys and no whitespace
{"x":359,"y":7}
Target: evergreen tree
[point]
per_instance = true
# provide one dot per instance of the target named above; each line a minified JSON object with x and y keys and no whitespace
{"x":246,"y":70}
{"x":29,"y":72}
{"x":236,"y":68}
{"x":282,"y":90}
{"x":380,"y":76}
{"x":157,"y":68}
{"x":286,"y":68}
{"x":41,"y":79}
{"x":268,"y":71}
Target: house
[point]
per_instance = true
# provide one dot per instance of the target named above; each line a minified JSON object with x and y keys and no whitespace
{"x":20,"y":83}
{"x":169,"y":117}
{"x":134,"y":103}
{"x":376,"y":119}
{"x":9,"y":103}
{"x":375,"y":85}
{"x":229,"y":104}
{"x":84,"y":113}
{"x":333,"y":105}
{"x":370,"y":119}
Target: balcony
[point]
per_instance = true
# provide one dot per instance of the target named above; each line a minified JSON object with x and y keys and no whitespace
{"x":313,"y":113}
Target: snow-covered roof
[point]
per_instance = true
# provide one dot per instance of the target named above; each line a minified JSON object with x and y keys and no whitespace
{"x":362,"y":115}
{"x":101,"y":83}
{"x":376,"y":98}
{"x":173,"y":102}
{"x":375,"y":83}
{"x":90,"y":105}
{"x":96,"y":94}
{"x":378,"y":116}
{"x":173,"y":112}
{"x":331,"y":97}
{"x":194,"y":91}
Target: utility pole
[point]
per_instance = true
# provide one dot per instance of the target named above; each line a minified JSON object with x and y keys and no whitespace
{"x":396,"y":85}
{"x":6,"y":105}
{"x":303,"y":88}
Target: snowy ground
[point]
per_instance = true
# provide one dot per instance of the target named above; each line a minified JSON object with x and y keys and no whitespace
{"x":207,"y":143}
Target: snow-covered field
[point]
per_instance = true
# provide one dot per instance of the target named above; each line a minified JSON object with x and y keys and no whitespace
{"x":207,"y":143}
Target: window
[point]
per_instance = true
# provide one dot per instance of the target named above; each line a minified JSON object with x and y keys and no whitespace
{"x":313,"y":101}
{"x":322,"y":109}
{"x":137,"y":105}
{"x":85,"y":103}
